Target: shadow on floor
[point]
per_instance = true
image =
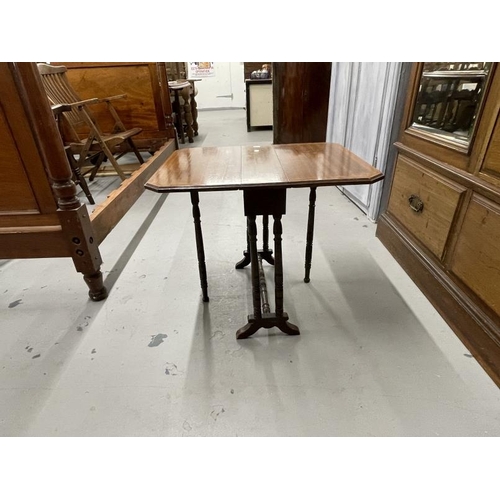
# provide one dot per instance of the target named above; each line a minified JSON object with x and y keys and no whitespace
{"x":60,"y":354}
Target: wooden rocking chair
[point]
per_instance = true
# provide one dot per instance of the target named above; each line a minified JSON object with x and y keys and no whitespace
{"x":97,"y":146}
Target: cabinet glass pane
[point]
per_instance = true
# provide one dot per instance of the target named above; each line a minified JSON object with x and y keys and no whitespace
{"x":449,"y":99}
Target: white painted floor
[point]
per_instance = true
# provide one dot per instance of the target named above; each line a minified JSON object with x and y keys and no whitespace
{"x":373,"y":358}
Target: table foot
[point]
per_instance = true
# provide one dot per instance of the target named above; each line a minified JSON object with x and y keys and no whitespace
{"x":268,"y":320}
{"x":244,"y":261}
{"x":266,"y":255}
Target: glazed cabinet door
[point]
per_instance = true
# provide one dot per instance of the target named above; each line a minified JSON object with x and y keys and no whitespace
{"x":446,"y":108}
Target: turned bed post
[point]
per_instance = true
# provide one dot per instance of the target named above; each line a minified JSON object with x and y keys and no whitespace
{"x":74,"y":218}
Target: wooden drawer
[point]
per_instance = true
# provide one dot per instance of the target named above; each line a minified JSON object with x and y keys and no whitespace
{"x":441,"y":198}
{"x":476,"y":259}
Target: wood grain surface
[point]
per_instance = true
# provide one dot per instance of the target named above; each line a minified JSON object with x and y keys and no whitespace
{"x":147,"y":105}
{"x":440,"y":198}
{"x":247,"y":167}
{"x":301,"y":91}
{"x":476,"y":260}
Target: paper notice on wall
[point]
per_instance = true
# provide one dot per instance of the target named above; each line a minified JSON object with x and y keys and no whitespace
{"x":201,"y":69}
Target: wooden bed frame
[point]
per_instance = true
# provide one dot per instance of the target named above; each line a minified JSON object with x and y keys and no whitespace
{"x":40,"y":213}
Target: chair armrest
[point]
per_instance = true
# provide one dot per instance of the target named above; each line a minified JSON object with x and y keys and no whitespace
{"x":113,"y":98}
{"x":95,"y":100}
{"x":57,"y":109}
{"x":87,"y":102}
{"x":79,"y":104}
{"x":99,"y":100}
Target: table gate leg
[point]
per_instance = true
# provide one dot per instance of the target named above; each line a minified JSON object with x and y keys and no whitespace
{"x":252,"y":239}
{"x":195,"y":200}
{"x":265,"y":203}
{"x":266,"y":253}
{"x":254,"y":322}
{"x":310,"y":233}
{"x":282,"y":317}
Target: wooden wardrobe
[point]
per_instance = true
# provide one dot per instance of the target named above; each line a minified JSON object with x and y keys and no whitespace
{"x":442,"y":222}
{"x":300,"y":101}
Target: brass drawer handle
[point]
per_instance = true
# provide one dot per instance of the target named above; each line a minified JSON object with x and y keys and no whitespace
{"x":416,"y":204}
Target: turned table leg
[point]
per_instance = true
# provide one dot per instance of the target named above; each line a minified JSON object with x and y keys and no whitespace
{"x":266,"y":253}
{"x":252,"y":239}
{"x":281,"y":317}
{"x":188,"y":117}
{"x":310,"y":233}
{"x":254,"y":320}
{"x":194,"y":110}
{"x":195,"y":200}
{"x":178,"y":116}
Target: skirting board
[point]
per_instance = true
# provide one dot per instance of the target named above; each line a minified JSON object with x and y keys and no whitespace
{"x":475,"y":329}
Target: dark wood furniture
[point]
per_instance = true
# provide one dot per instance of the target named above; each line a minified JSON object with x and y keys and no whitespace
{"x":77,"y":113}
{"x":300,"y":101}
{"x":40,"y":214}
{"x":259,"y":100}
{"x":194,"y":104}
{"x":178,"y":72}
{"x":147,"y":106}
{"x":264,"y":174}
{"x":183,"y":118}
{"x":442,"y":222}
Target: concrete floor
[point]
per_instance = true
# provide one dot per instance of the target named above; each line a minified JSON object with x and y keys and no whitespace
{"x":374,"y":357}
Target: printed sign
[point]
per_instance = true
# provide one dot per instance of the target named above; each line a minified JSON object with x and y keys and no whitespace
{"x":201,"y":69}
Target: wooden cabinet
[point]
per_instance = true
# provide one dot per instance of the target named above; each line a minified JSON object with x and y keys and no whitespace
{"x":300,"y":92}
{"x":442,"y":221}
{"x":259,"y":94}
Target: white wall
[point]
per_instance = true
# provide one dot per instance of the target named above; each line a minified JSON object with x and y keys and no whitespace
{"x":215,"y":91}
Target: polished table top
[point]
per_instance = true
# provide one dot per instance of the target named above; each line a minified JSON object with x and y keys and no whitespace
{"x":256,"y":170}
{"x":274,"y":166}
